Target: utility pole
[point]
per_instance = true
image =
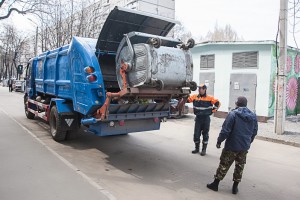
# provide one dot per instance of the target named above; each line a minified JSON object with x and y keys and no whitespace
{"x":280,"y":107}
{"x":36,"y":41}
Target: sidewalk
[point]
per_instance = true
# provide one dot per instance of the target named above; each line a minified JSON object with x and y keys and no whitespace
{"x":266,"y":131}
{"x":290,"y":137}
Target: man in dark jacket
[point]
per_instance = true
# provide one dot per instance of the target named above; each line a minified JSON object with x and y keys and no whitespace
{"x":239,"y":130}
{"x":10,"y":82}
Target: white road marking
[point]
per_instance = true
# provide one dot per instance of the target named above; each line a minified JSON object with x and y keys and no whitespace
{"x":70,"y":165}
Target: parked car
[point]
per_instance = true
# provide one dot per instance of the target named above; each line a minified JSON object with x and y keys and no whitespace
{"x":18,"y":86}
{"x":174,"y":109}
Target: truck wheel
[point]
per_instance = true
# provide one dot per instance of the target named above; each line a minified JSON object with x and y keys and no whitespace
{"x":28,"y":114}
{"x":56,"y":125}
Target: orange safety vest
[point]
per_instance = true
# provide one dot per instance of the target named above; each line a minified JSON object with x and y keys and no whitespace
{"x":205,"y":105}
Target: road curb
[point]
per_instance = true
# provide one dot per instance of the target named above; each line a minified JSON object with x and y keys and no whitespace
{"x":268,"y":139}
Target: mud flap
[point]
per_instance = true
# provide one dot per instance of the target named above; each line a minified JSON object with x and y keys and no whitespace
{"x":69,"y":121}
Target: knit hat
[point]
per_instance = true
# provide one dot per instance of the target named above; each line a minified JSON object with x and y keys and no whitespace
{"x":241,"y":101}
{"x":203,"y":86}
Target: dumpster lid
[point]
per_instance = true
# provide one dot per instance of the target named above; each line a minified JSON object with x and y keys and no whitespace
{"x":123,"y":20}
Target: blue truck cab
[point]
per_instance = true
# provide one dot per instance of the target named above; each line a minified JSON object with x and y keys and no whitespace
{"x":120,"y":83}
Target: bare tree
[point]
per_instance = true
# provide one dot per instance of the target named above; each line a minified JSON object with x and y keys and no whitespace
{"x":219,"y":34}
{"x":7,"y":7}
{"x":12,"y":43}
{"x":65,"y":20}
{"x":181,"y":33}
{"x":2,"y":66}
{"x":294,"y":18}
{"x":222,"y":34}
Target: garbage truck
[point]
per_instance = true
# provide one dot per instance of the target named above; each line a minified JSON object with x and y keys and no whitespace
{"x":120,"y":83}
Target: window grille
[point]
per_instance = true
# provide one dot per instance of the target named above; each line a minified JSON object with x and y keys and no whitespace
{"x":207,"y":61}
{"x":245,"y":59}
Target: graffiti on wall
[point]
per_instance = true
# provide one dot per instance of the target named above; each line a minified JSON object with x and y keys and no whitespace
{"x":292,"y":82}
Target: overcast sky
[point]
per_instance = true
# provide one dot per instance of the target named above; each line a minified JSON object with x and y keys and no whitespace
{"x":251,"y":19}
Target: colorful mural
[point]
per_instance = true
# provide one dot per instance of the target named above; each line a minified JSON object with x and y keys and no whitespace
{"x":292,"y":82}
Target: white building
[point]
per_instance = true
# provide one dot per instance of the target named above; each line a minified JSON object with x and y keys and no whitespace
{"x":232,"y":69}
{"x":102,"y":8}
{"x":165,"y":8}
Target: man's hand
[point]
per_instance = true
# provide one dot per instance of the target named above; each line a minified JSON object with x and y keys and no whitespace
{"x":218,"y":145}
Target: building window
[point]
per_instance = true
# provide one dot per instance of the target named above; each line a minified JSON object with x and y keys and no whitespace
{"x":245,"y":59}
{"x":207,"y":61}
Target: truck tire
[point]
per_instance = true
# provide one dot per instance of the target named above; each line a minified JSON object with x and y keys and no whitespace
{"x":28,"y":114}
{"x":57,"y":133}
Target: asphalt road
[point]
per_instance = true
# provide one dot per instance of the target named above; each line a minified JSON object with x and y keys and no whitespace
{"x":30,"y":170}
{"x":147,"y":165}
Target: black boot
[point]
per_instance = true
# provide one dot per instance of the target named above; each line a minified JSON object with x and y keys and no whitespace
{"x":235,"y":188}
{"x":203,"y":152}
{"x":196,"y":148}
{"x":214,"y":185}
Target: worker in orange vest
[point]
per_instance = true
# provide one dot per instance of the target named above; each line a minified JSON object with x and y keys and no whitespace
{"x":203,"y":105}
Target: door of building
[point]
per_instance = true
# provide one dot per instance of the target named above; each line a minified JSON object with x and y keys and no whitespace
{"x":208,"y":78}
{"x":243,"y":85}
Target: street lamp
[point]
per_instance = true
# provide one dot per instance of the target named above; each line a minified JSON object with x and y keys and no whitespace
{"x":36,"y":36}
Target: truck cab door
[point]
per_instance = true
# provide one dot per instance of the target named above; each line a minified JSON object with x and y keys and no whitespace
{"x":29,"y":79}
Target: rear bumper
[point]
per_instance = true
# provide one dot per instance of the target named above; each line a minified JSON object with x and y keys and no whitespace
{"x":106,"y":128}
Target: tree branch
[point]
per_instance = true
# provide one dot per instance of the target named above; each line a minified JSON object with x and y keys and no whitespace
{"x":1,"y":3}
{"x":11,"y":10}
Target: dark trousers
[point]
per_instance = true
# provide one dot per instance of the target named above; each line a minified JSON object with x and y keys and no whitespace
{"x":201,"y":128}
{"x":226,"y":160}
{"x":10,"y":88}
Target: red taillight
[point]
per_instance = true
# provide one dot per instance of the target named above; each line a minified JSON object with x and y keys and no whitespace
{"x":89,"y":69}
{"x":156,"y":120}
{"x":121,"y":122}
{"x":91,"y":78}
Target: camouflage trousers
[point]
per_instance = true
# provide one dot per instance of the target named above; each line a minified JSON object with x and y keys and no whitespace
{"x":226,"y":160}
